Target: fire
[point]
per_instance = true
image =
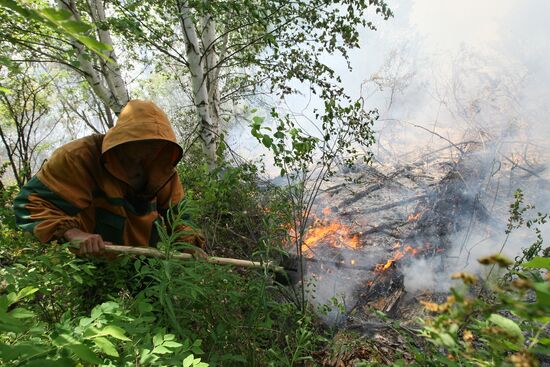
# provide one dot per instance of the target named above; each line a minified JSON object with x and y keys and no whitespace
{"x":414,"y":217}
{"x":332,"y":233}
{"x":398,"y":255}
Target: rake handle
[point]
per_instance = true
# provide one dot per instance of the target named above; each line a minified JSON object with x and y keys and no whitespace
{"x":153,"y":252}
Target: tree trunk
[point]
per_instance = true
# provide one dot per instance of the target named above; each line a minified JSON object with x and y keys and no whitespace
{"x":208,"y":129}
{"x":108,"y":85}
{"x":212,"y":72}
{"x":112,"y":74}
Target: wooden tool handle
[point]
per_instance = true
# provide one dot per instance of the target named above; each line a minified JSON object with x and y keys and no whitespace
{"x":153,"y":252}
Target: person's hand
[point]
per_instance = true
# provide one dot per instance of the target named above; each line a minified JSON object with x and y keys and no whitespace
{"x":197,"y":252}
{"x":89,"y":243}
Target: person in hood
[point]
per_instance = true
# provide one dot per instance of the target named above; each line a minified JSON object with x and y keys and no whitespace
{"x":109,"y":188}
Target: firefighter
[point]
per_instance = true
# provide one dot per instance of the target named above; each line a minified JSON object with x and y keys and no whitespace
{"x":108,"y":188}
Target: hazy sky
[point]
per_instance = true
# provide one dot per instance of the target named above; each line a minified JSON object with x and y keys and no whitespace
{"x":490,"y":55}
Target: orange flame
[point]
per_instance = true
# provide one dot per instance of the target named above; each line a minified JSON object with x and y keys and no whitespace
{"x":413,"y":217}
{"x":408,"y":250}
{"x":333,"y":233}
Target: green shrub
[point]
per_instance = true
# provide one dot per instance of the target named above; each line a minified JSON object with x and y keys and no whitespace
{"x":238,"y":212}
{"x":57,"y":309}
{"x":508,"y":328}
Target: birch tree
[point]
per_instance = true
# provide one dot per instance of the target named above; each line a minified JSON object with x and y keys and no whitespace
{"x":103,"y":75}
{"x":234,"y":49}
{"x":66,"y":35}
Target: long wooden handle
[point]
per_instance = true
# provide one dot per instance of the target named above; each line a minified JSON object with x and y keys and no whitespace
{"x":153,"y":252}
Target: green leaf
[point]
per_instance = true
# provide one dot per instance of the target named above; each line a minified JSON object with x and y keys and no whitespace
{"x":157,"y":339}
{"x":267,"y":141}
{"x":61,"y":362}
{"x":93,"y":44}
{"x":106,"y":346}
{"x":446,"y":339}
{"x":96,"y":312}
{"x":55,"y":14}
{"x":538,"y":262}
{"x":21,"y":313}
{"x":145,"y":307}
{"x":91,"y":332}
{"x":84,"y":353}
{"x":172,"y":344}
{"x":115,"y":332}
{"x":161,"y":350}
{"x":509,"y":326}
{"x":85,"y":321}
{"x":109,"y":307}
{"x":75,"y":26}
{"x":8,"y":323}
{"x":5,"y":90}
{"x":543,"y":293}
{"x":188,"y":361}
{"x":21,"y":351}
{"x":258,"y":119}
{"x":64,"y":340}
{"x":25,"y":292}
{"x":16,"y":7}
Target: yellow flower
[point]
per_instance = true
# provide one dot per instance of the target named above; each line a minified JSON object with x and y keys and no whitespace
{"x":522,"y":283}
{"x":434,"y":307}
{"x":523,"y":359}
{"x":467,"y":278}
{"x":468,"y":336}
{"x":498,"y":259}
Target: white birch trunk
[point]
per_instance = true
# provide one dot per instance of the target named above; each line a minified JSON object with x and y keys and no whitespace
{"x":92,"y":76}
{"x":208,"y":129}
{"x":212,"y":70}
{"x":112,"y":73}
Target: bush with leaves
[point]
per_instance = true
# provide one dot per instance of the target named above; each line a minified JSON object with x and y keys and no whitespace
{"x":509,"y":328}
{"x":142,"y":311}
{"x":504,"y":321}
{"x":239,"y":213}
{"x":110,"y":336}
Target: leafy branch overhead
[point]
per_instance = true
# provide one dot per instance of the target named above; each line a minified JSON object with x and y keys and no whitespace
{"x":234,"y":51}
{"x":59,"y":21}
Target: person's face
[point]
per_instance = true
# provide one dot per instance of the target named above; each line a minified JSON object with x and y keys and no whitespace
{"x":136,"y":157}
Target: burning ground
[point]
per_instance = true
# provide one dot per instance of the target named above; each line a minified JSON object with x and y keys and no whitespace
{"x":389,"y":237}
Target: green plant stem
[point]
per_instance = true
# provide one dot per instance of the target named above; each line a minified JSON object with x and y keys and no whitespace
{"x":535,"y":339}
{"x":23,"y":362}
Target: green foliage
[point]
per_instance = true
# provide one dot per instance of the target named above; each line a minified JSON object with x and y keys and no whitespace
{"x":109,"y":336}
{"x":509,"y":326}
{"x":58,"y":21}
{"x":240,"y":214}
{"x":56,"y":309}
{"x":518,"y":212}
{"x":500,"y":323}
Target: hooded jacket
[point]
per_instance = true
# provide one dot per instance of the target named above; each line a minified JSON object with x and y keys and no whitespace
{"x":83,"y":185}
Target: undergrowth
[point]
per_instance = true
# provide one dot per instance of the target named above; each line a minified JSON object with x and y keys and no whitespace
{"x":60,"y":310}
